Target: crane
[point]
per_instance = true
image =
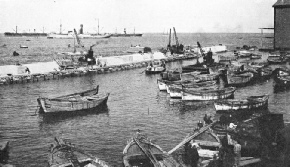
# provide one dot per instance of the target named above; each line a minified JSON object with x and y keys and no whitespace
{"x":169,"y":43}
{"x":175,"y":36}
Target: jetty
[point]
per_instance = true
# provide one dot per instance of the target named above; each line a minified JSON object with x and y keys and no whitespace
{"x":62,"y":68}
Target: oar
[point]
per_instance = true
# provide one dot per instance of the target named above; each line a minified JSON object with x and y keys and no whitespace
{"x":37,"y":108}
{"x":103,"y":163}
{"x":61,"y":142}
{"x":147,"y":153}
{"x":191,"y":137}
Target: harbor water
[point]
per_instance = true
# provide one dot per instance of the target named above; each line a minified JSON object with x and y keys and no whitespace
{"x":134,"y":102}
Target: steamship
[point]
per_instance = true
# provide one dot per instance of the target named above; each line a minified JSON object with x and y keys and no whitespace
{"x":126,"y":35}
{"x":70,"y":35}
{"x":25,"y":34}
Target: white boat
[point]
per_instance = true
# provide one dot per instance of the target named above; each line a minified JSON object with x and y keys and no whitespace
{"x":250,"y":103}
{"x":23,"y":46}
{"x":161,"y":84}
{"x":209,"y":94}
{"x":83,"y":36}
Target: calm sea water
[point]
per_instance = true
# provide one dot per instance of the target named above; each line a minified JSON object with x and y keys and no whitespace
{"x":134,"y":103}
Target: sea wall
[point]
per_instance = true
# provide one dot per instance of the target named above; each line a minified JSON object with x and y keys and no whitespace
{"x":214,"y":49}
{"x":35,"y":68}
{"x":133,"y":58}
{"x":14,"y":74}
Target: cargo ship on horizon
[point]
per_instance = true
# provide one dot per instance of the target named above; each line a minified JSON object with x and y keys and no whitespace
{"x":127,"y":35}
{"x":81,"y":34}
{"x":25,"y":34}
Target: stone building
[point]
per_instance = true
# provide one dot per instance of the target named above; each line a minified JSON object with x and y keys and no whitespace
{"x":282,"y":25}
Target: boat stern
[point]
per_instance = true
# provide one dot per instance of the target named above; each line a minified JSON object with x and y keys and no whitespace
{"x":41,"y":104}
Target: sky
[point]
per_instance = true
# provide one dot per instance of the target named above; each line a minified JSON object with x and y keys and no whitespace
{"x":143,"y":16}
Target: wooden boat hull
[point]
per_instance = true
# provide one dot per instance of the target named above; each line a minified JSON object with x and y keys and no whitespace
{"x":161,"y":85}
{"x":134,"y":156}
{"x":192,"y":68}
{"x":209,"y":95}
{"x":282,"y":82}
{"x":265,"y":72}
{"x":199,"y":77}
{"x":231,"y":105}
{"x":155,"y":70}
{"x":84,"y":105}
{"x":275,"y":59}
{"x":240,"y":79}
{"x":282,"y":78}
{"x":175,"y":90}
{"x":171,"y":75}
{"x":256,"y":56}
{"x":64,"y":154}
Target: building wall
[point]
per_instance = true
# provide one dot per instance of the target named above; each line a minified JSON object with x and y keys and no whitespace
{"x":282,"y":28}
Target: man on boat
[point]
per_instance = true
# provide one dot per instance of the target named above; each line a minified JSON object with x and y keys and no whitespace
{"x":207,"y":119}
{"x":199,"y":124}
{"x":191,"y":154}
{"x":208,"y":58}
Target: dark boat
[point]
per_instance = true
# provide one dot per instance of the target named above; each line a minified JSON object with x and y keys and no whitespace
{"x":282,"y":78}
{"x":265,"y":72}
{"x":12,"y":34}
{"x":171,"y":75}
{"x":199,"y":77}
{"x":4,"y":151}
{"x":126,"y":35}
{"x":196,"y":67}
{"x":250,"y":103}
{"x":178,"y":48}
{"x":175,"y":90}
{"x":82,"y":101}
{"x":65,"y":154}
{"x":141,"y":152}
{"x":239,"y":79}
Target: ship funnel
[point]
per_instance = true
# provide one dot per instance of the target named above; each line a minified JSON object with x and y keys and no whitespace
{"x":81,"y":29}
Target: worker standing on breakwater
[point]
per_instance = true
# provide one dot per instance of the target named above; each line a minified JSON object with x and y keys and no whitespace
{"x":90,"y":57}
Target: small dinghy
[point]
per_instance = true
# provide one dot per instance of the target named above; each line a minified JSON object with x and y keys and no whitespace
{"x":23,"y":46}
{"x":64,"y":154}
{"x":250,"y":103}
{"x":140,"y":152}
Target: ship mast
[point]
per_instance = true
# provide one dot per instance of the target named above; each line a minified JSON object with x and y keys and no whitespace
{"x":60,"y":28}
{"x":98,"y":27}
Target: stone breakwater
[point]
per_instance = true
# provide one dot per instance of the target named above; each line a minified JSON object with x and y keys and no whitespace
{"x":16,"y":74}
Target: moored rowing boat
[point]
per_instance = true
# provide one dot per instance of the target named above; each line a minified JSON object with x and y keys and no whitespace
{"x":250,"y":103}
{"x":82,"y":101}
{"x":209,"y":94}
{"x":141,"y":152}
{"x":175,"y":90}
{"x":64,"y":154}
